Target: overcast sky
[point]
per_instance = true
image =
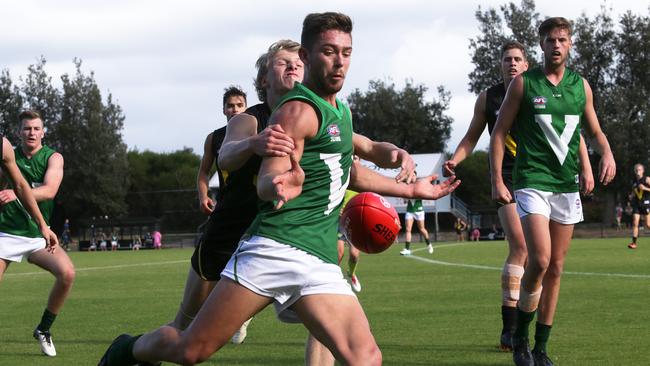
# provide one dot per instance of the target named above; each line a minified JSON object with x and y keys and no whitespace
{"x":167,"y":62}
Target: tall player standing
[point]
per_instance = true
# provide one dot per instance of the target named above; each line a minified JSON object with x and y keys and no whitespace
{"x":549,"y":105}
{"x":42,"y":167}
{"x":486,"y":110}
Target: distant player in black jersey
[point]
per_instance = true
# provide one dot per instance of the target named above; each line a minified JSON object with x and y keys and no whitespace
{"x":198,"y":285}
{"x":486,"y":109}
{"x":640,"y":202}
{"x":236,"y":204}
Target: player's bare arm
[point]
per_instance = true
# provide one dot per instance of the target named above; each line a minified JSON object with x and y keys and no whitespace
{"x":242,"y":141}
{"x":206,"y":204}
{"x":385,"y":155}
{"x":507,"y":114}
{"x":607,"y":165}
{"x":586,"y":175}
{"x":363,"y":179}
{"x":280,"y":177}
{"x":468,"y":143}
{"x":24,"y":192}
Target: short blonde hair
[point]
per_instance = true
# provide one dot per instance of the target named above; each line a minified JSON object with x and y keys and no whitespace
{"x":262,"y":63}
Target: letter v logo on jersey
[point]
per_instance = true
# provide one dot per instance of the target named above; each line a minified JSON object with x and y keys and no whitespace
{"x":559,"y":143}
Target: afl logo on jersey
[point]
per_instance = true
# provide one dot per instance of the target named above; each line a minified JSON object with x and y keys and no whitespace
{"x":539,"y":102}
{"x":334,"y":132}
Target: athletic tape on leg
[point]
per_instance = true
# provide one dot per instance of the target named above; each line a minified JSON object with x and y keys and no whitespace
{"x":510,"y":283}
{"x":529,"y":301}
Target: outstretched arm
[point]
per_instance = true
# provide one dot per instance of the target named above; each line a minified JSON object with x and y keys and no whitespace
{"x":363,"y":179}
{"x":24,"y":193}
{"x":470,"y":139}
{"x":385,"y":155}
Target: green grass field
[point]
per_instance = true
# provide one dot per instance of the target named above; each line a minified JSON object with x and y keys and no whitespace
{"x":440,"y":309}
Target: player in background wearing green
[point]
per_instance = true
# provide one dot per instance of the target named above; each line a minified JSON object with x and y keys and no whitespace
{"x":640,"y":202}
{"x":289,"y":257}
{"x":42,"y":167}
{"x":415,"y":212}
{"x":548,"y":105}
{"x":486,"y":110}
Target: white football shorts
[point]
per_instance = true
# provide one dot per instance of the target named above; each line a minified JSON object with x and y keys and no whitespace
{"x":564,"y":208}
{"x":417,"y":216}
{"x":13,"y":247}
{"x":284,"y":273}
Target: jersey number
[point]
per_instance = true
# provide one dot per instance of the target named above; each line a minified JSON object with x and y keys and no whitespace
{"x":559,"y":143}
{"x":337,"y":186}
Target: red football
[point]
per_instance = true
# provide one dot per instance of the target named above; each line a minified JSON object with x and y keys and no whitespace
{"x":370,"y":222}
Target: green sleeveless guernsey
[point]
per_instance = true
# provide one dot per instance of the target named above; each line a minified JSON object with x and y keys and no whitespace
{"x":548,"y":131}
{"x":310,"y":221}
{"x":14,"y":219}
{"x":414,"y":206}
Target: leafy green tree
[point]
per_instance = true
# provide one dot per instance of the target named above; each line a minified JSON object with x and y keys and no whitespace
{"x":520,"y":24}
{"x":475,"y":189}
{"x":88,"y":135}
{"x":163,"y":185}
{"x":403,"y":117}
{"x":10,"y":106}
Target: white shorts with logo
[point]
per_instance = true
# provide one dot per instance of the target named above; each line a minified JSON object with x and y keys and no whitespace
{"x":284,"y":273}
{"x":417,"y":216}
{"x":13,"y":247}
{"x":564,"y":208}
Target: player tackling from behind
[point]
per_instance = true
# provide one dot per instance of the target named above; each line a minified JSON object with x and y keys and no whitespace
{"x":289,"y":259}
{"x":20,"y":238}
{"x":549,"y":106}
{"x":486,"y":110}
{"x":640,"y":202}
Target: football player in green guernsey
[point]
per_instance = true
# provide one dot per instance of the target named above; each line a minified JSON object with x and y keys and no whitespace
{"x":415,"y":212}
{"x":486,"y":110}
{"x":549,"y":106}
{"x":289,"y":256}
{"x":42,"y":167}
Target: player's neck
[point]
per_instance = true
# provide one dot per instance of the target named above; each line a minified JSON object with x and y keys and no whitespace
{"x":29,"y":151}
{"x":554,"y":73}
{"x":329,"y":98}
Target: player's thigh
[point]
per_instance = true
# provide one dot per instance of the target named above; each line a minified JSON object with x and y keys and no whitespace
{"x":196,"y":291}
{"x":337,"y":321}
{"x":561,"y":235}
{"x":223,"y":312}
{"x":420,"y":224}
{"x":511,"y":224}
{"x":408,"y":224}
{"x":57,"y":263}
{"x":538,"y":238}
{"x":4,"y":264}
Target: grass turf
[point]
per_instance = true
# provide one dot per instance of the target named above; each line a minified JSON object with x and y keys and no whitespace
{"x":440,"y":309}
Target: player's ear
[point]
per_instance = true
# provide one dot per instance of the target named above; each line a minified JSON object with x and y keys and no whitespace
{"x":304,"y":55}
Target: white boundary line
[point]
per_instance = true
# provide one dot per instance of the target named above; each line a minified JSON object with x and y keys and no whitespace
{"x":84,"y":269}
{"x":478,"y":266}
